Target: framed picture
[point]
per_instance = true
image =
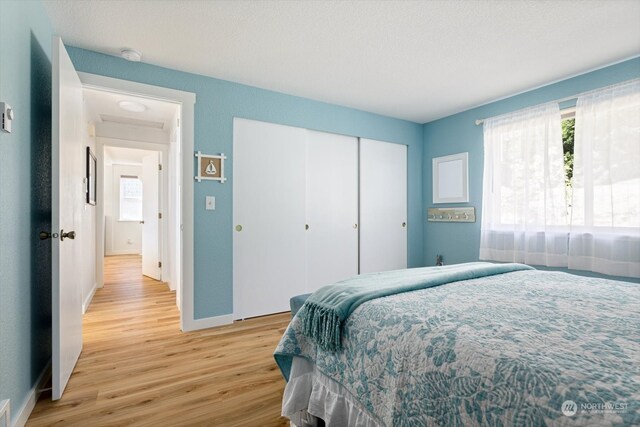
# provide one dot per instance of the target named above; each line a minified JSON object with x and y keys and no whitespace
{"x":92,"y":185}
{"x":210,"y":167}
{"x":451,"y":178}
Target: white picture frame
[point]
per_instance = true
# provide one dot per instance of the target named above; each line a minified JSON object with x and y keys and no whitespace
{"x":451,"y":178}
{"x":210,"y":167}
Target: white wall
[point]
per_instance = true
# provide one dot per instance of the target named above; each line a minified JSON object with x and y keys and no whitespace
{"x":86,"y":236}
{"x":121,"y":237}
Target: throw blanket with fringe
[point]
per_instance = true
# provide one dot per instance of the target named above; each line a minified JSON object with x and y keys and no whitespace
{"x":324,"y":313}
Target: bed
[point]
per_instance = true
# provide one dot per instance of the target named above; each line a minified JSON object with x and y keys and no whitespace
{"x":516,"y":348}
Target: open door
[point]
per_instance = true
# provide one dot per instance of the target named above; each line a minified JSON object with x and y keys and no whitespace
{"x":151,"y":216}
{"x":68,"y":198}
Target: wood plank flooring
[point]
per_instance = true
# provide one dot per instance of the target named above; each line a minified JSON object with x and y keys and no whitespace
{"x":138,"y":369}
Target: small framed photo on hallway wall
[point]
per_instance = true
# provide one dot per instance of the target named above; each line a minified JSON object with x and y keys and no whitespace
{"x":92,"y":185}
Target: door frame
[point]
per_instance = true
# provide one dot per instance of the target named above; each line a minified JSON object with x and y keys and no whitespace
{"x":187,"y":101}
{"x":163,"y":236}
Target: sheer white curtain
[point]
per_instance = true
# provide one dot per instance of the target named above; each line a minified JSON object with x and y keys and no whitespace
{"x":524,"y":212}
{"x":605,"y":212}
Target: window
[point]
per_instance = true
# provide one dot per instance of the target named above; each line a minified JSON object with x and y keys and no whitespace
{"x":562,"y":189}
{"x":130,"y":198}
{"x":568,"y":138}
{"x":605,"y":188}
{"x":524,"y":205}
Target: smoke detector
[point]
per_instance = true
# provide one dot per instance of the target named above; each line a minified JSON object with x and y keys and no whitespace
{"x":131,"y":55}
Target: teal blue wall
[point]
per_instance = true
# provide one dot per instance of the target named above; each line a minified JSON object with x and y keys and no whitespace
{"x":217,"y":103}
{"x":25,"y":199}
{"x":458,"y":133}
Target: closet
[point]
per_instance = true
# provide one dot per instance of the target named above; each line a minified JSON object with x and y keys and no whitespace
{"x":311,"y":208}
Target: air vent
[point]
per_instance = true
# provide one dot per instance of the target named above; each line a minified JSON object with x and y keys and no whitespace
{"x":106,"y":118}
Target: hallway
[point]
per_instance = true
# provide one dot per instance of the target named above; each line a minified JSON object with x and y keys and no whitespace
{"x":138,"y":368}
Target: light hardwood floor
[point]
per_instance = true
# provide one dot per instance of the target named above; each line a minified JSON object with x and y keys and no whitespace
{"x":138,"y":369}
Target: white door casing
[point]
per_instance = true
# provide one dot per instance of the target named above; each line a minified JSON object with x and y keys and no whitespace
{"x":383,"y":206}
{"x":187,"y":101}
{"x":68,"y":198}
{"x":150,"y":213}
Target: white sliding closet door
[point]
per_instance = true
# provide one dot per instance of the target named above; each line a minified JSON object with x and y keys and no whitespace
{"x":269,"y":251}
{"x":332,"y":208}
{"x":383,"y":206}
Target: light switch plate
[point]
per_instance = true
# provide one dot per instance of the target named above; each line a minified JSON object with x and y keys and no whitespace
{"x":7,"y":116}
{"x":210,"y":203}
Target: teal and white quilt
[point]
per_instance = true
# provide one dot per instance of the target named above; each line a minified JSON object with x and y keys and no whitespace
{"x":524,"y":348}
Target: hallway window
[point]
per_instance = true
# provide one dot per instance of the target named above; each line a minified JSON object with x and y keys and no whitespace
{"x":130,"y":198}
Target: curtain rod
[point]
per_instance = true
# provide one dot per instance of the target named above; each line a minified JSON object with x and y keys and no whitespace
{"x":566,"y":98}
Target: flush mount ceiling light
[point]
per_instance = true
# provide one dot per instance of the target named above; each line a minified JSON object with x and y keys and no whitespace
{"x":132,"y":106}
{"x":131,"y":54}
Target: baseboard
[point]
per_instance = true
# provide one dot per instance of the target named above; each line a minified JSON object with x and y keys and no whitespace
{"x":123,"y":252}
{"x":87,"y":300}
{"x":5,"y":413}
{"x":22,"y":414}
{"x":207,"y":322}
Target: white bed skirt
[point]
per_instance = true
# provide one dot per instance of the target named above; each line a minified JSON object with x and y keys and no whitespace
{"x":310,"y":394}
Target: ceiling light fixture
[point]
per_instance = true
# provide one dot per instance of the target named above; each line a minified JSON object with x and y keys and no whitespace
{"x":131,"y":54}
{"x":132,"y":106}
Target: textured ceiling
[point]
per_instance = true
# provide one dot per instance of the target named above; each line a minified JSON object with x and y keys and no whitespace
{"x":416,"y":60}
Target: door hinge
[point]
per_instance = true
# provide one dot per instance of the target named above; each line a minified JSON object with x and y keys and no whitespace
{"x":159,"y":215}
{"x":159,"y":167}
{"x":159,"y":264}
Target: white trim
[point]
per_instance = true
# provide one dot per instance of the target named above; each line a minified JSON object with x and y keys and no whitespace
{"x":5,"y":412}
{"x":22,"y":414}
{"x":187,"y":100}
{"x":87,"y":300}
{"x":94,"y":81}
{"x":208,"y":322}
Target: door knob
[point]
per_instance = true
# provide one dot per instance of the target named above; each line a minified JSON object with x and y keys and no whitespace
{"x":306,"y":226}
{"x":404,"y":224}
{"x":238,"y":228}
{"x":355,"y":225}
{"x":44,"y":235}
{"x":69,"y":234}
{"x":142,"y":222}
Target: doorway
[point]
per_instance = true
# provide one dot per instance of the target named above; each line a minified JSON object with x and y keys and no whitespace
{"x":158,"y":121}
{"x":76,"y":207}
{"x":139,"y":209}
{"x":133,"y":194}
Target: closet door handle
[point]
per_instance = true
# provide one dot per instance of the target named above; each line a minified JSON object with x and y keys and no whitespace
{"x":238,"y":227}
{"x":355,"y":226}
{"x":404,"y":224}
{"x":306,"y":226}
